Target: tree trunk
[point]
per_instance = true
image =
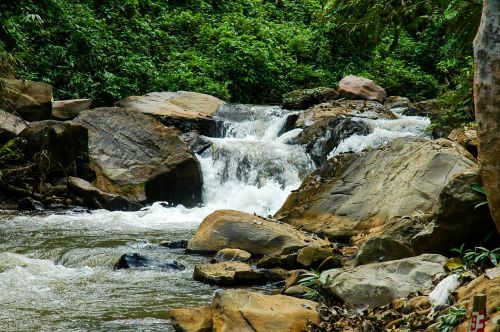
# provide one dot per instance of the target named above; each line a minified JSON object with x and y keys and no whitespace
{"x":487,"y":102}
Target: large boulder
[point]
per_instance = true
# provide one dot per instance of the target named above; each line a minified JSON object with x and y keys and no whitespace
{"x":10,"y":126}
{"x":137,"y":261}
{"x":196,"y":319}
{"x":31,"y":100}
{"x":184,"y":110}
{"x":377,"y":192}
{"x":382,"y":249}
{"x":227,"y":274}
{"x":69,"y":109}
{"x":302,"y":99}
{"x":240,"y":310}
{"x":378,"y":284}
{"x":234,"y":229}
{"x":135,"y":156}
{"x":356,"y":87}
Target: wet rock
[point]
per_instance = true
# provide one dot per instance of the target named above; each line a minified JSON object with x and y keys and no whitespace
{"x":179,"y":244}
{"x":234,"y":229}
{"x":235,"y":255}
{"x":184,"y":110}
{"x":10,"y":126}
{"x":131,"y":261}
{"x":29,"y":204}
{"x":284,"y":261}
{"x":382,"y":249}
{"x":69,"y":109}
{"x":290,"y":122}
{"x":276,"y":274}
{"x":239,"y":310}
{"x":397,"y":102}
{"x":378,"y":284}
{"x":356,"y":87}
{"x":312,"y":257}
{"x":329,"y":263}
{"x":95,"y":198}
{"x":302,"y":99}
{"x":195,"y":142}
{"x":31,"y":100}
{"x":296,"y":291}
{"x":293,"y":278}
{"x":136,"y":157}
{"x":227,"y":274}
{"x":197,"y":319}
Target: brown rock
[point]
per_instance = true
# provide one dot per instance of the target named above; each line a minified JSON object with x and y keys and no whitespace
{"x":466,"y":137}
{"x":283,"y":261}
{"x":294,"y":278}
{"x":10,"y":126}
{"x":31,"y":100}
{"x":234,"y":229}
{"x":69,"y":109}
{"x":311,"y":257}
{"x":242,"y":311}
{"x":229,"y":254}
{"x":227,"y":274}
{"x":329,"y":263}
{"x":197,"y":319}
{"x":355,"y":87}
{"x":397,"y":102}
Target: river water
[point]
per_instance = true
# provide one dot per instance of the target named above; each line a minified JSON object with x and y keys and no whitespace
{"x":56,"y":269}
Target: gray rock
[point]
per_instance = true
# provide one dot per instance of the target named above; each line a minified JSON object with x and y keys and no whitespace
{"x":382,"y":249}
{"x":378,"y":284}
{"x":227,"y":274}
{"x":229,"y":254}
{"x":397,"y":102}
{"x":10,"y":126}
{"x":302,"y":99}
{"x":356,"y":87}
{"x":31,"y":100}
{"x":69,"y":109}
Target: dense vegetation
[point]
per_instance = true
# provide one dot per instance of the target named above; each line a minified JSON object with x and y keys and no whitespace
{"x":240,"y":50}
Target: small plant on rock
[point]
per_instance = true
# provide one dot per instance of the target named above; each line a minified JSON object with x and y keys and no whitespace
{"x":481,"y":256}
{"x":455,"y":316}
{"x":314,"y":282}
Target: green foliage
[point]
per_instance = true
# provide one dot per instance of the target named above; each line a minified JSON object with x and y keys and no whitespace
{"x":315,"y":283}
{"x":481,"y":256}
{"x":480,"y":189}
{"x":455,"y":316}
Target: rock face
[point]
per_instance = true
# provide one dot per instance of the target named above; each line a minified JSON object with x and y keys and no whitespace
{"x":69,"y":109}
{"x":184,"y":110}
{"x":355,"y":87}
{"x":374,"y":191}
{"x":138,"y":158}
{"x":378,"y":284}
{"x":382,"y":249}
{"x":10,"y":126}
{"x":227,"y":274}
{"x":234,"y":229}
{"x":197,"y":319}
{"x":32,"y":100}
{"x":239,"y":310}
{"x":302,"y":99}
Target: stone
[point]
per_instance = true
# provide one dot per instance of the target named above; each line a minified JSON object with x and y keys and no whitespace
{"x":382,"y":249}
{"x":397,"y":102}
{"x":357,"y":196}
{"x":196,"y":143}
{"x":235,"y":229}
{"x":95,"y":198}
{"x":356,"y":87}
{"x":184,"y":110}
{"x":329,"y":263}
{"x":196,"y":319}
{"x":303,"y":99}
{"x":229,"y":254}
{"x":377,"y":284}
{"x":276,"y":274}
{"x":69,"y":109}
{"x":29,"y":204}
{"x":136,"y":157}
{"x":179,"y":244}
{"x":284,"y":261}
{"x":131,"y":261}
{"x":466,"y":137}
{"x":296,"y":291}
{"x":227,"y":274}
{"x":31,"y":100}
{"x":244,"y":311}
{"x":10,"y":126}
{"x":293,"y":278}
{"x":312,"y":257}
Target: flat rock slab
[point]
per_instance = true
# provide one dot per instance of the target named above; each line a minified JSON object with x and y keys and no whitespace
{"x":235,"y":229}
{"x":10,"y":126}
{"x":227,"y":274}
{"x":378,"y":284}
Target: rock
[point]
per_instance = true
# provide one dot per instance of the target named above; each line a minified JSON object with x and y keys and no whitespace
{"x":197,"y":319}
{"x":361,"y":195}
{"x":31,"y":100}
{"x":97,"y":199}
{"x":302,"y":99}
{"x":69,"y":109}
{"x":130,"y":261}
{"x":296,"y":291}
{"x":355,"y":87}
{"x":228,"y":254}
{"x":312,"y":257}
{"x":29,"y":204}
{"x":196,"y":143}
{"x":293,"y":278}
{"x":184,"y":110}
{"x":234,"y":229}
{"x":378,"y":284}
{"x":325,"y":135}
{"x":466,"y":137}
{"x":353,"y":108}
{"x":227,"y":274}
{"x":10,"y":126}
{"x":397,"y":102}
{"x":382,"y":249}
{"x":329,"y":263}
{"x":136,"y":157}
{"x":284,"y":261}
{"x":276,"y":274}
{"x":180,"y":244}
{"x":244,"y":311}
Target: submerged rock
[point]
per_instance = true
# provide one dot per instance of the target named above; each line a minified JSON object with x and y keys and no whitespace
{"x":179,"y":244}
{"x":31,"y":100}
{"x":234,"y":229}
{"x":356,"y":87}
{"x":29,"y":204}
{"x":136,"y":157}
{"x":131,"y":261}
{"x":302,"y":99}
{"x":228,"y":274}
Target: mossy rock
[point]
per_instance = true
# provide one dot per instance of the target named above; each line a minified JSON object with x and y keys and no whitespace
{"x":303,"y":99}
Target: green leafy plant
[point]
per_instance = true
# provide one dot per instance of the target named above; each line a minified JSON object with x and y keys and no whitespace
{"x":315,"y":282}
{"x":480,"y":189}
{"x":455,"y":316}
{"x":481,"y":256}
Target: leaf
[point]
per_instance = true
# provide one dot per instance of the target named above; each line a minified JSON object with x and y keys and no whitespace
{"x":478,"y":188}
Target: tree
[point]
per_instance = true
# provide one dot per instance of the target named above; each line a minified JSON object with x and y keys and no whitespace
{"x":487,"y":102}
